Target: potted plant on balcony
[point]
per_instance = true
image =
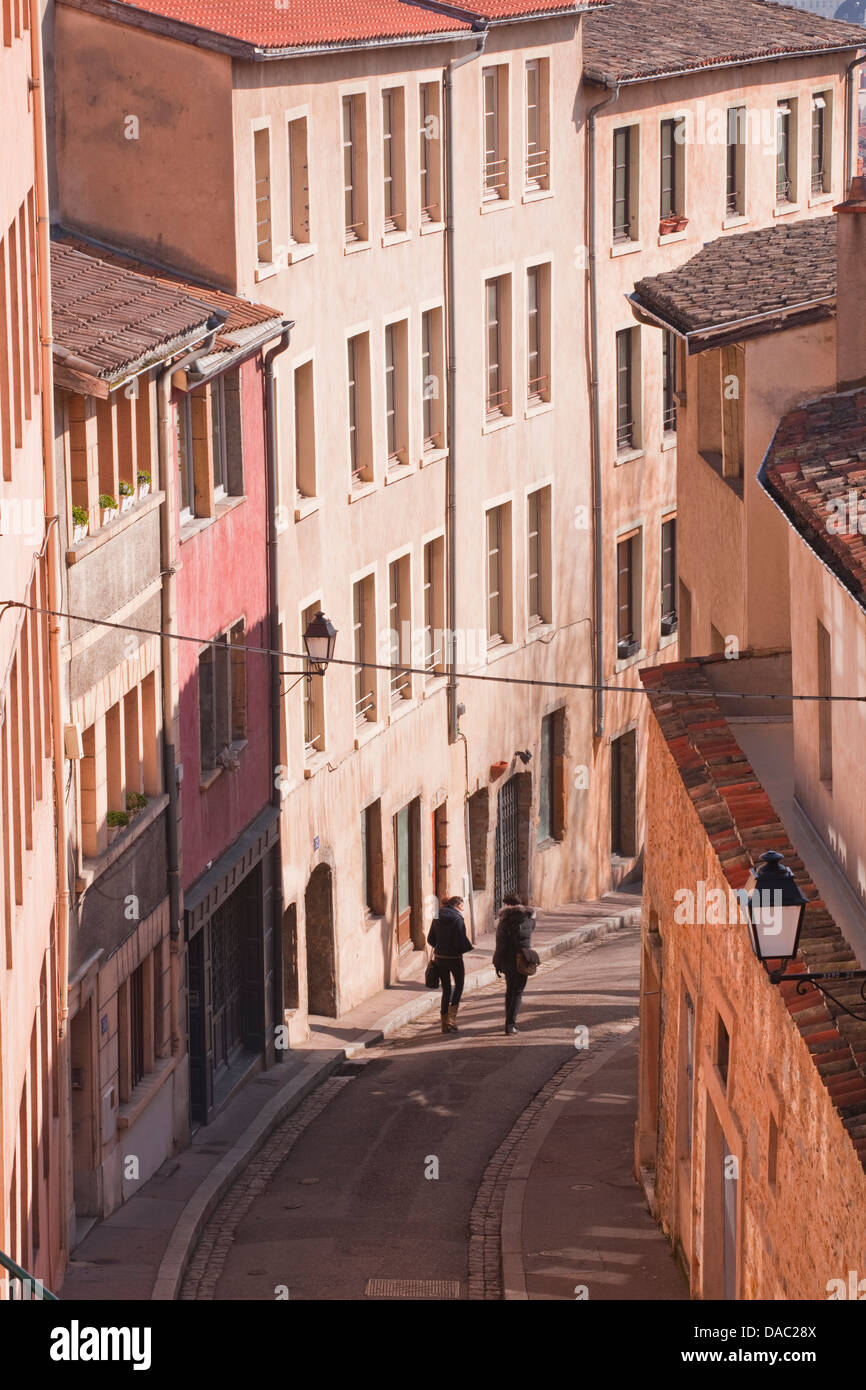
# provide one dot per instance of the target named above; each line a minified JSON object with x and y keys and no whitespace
{"x":144,"y":480}
{"x":80,"y":523}
{"x":117,"y":821}
{"x":674,"y":222}
{"x":108,"y":507}
{"x":127,"y":495}
{"x":135,"y":802}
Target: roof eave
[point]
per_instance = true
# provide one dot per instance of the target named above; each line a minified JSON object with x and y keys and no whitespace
{"x":605,"y":79}
{"x":217,"y":363}
{"x":735,"y":330}
{"x":81,"y":376}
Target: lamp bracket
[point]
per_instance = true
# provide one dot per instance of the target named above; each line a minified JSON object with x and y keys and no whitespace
{"x":810,"y":978}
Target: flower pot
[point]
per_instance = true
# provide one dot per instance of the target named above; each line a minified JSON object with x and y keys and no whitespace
{"x":667,"y":225}
{"x":497,"y":769}
{"x":143,"y":490}
{"x":79,"y":532}
{"x":127,"y":501}
{"x":108,"y":514}
{"x":113,"y":832}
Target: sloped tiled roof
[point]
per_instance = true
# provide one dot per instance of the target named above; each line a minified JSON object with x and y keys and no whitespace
{"x":740,"y":824}
{"x":317,"y":25}
{"x":740,"y":277}
{"x":114,"y":320}
{"x":814,"y":469}
{"x":117,"y":315}
{"x":636,"y":39}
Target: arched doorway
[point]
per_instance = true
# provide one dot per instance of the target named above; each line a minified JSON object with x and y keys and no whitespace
{"x":321,"y":958}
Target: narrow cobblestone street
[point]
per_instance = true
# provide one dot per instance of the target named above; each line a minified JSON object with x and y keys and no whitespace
{"x":410,"y":1172}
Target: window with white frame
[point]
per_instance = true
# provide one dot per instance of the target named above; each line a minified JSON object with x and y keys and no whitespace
{"x":209,"y":443}
{"x":363,"y":639}
{"x":494,"y":83}
{"x":672,"y":168}
{"x":786,"y":152}
{"x":499,"y":575}
{"x":625,"y":183}
{"x":538,"y":334}
{"x":432,"y":383}
{"x":299,"y":181}
{"x":400,"y":627}
{"x":358,"y":381}
{"x":628,"y":433}
{"x":497,"y":304}
{"x":628,"y":593}
{"x":262,"y":167}
{"x":394,"y":158}
{"x":434,"y":608}
{"x":735,"y":187}
{"x":537,"y":116}
{"x":669,"y":382}
{"x":313,"y":696}
{"x":222,"y":699}
{"x":305,"y":431}
{"x":430,"y":154}
{"x":397,"y":392}
{"x":669,"y":576}
{"x":822,"y":128}
{"x":355,"y":168}
{"x":539,"y":589}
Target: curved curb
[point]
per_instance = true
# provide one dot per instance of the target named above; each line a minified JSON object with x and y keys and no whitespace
{"x":320,"y":1065}
{"x":511,"y":1229}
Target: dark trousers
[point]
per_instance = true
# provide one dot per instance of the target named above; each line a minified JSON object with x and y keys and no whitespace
{"x":515,"y":983}
{"x":452,"y":968}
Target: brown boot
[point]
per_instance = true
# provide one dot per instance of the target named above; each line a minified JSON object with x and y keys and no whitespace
{"x":444,"y":1021}
{"x":452,"y":1018}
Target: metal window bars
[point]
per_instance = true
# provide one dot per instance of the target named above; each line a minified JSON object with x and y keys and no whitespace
{"x":365,"y":707}
{"x":538,"y":388}
{"x":498,"y":402}
{"x":401,"y":682}
{"x":495,"y":175}
{"x":537,"y":168}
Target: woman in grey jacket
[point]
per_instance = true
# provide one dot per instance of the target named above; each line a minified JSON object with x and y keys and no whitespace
{"x":514,"y":930}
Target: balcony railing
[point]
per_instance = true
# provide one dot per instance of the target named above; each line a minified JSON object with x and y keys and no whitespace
{"x":30,"y":1289}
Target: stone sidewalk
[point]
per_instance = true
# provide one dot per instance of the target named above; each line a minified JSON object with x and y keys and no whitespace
{"x":141,"y":1251}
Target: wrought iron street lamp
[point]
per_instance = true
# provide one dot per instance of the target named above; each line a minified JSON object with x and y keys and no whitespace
{"x":319,"y":640}
{"x":775,"y":917}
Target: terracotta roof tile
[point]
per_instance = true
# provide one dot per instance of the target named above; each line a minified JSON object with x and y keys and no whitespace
{"x":636,"y":39}
{"x":685,"y":720}
{"x":815,"y":472}
{"x":738,"y":277}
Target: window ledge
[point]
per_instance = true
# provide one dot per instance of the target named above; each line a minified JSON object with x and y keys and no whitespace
{"x":401,"y":708}
{"x":818,"y":199}
{"x":499,"y":650}
{"x":363,"y":736}
{"x":201,"y":523}
{"x":265,"y":270}
{"x":549,"y":842}
{"x":540,"y":630}
{"x":428,"y":228}
{"x":114,"y":528}
{"x":305,"y":507}
{"x":629,"y":456}
{"x":300,"y":251}
{"x":433,"y":684}
{"x":536,"y":195}
{"x":496,"y":205}
{"x":360,"y":490}
{"x":630,"y":661}
{"x":738,"y":219}
{"x":626,"y":248}
{"x":397,"y":238}
{"x":669,"y":441}
{"x":432,"y":457}
{"x":783,"y":209}
{"x":350,"y":247}
{"x":210,"y":775}
{"x":500,"y":422}
{"x":540,"y":408}
{"x":673,"y":236}
{"x":398,"y":471}
{"x":667,"y":641}
{"x":315,"y":764}
{"x":91,"y":869}
{"x":140,"y":1099}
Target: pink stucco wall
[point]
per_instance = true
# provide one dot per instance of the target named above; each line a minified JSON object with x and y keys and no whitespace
{"x":223,"y":577}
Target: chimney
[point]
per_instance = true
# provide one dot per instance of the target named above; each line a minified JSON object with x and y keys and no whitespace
{"x":851,"y":287}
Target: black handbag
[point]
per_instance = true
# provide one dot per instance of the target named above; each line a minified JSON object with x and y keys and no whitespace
{"x":431,"y":974}
{"x":527,"y":963}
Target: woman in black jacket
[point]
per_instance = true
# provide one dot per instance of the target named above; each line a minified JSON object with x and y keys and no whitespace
{"x":450,"y":943}
{"x":514,"y":930}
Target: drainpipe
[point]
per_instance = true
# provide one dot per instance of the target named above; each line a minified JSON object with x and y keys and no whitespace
{"x":168,"y":649}
{"x":274,"y":608}
{"x":55,"y":602}
{"x":851,"y":160}
{"x":451,"y":464}
{"x":595,"y":434}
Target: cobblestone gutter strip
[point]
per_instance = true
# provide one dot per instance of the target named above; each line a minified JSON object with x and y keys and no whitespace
{"x":206,"y":1197}
{"x":480,"y":979}
{"x":495,"y":1224}
{"x":206,"y":1266}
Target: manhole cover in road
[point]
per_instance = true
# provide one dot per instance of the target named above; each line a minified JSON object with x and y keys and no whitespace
{"x":412,"y":1288}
